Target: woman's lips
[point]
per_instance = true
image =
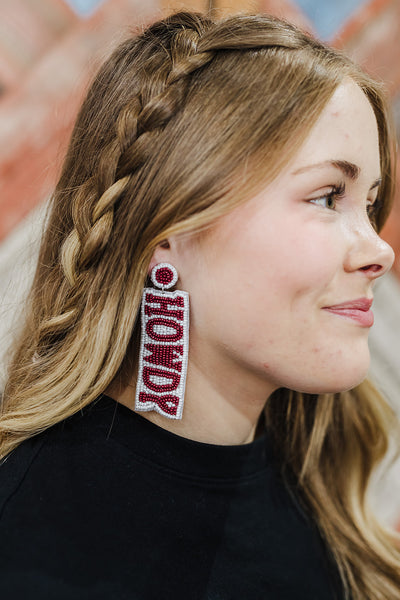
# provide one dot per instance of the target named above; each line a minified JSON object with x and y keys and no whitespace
{"x":357,"y":310}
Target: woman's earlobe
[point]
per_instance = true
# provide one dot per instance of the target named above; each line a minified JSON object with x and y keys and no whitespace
{"x":159,"y":256}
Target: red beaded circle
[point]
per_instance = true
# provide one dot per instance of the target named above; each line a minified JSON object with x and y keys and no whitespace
{"x":164,"y":276}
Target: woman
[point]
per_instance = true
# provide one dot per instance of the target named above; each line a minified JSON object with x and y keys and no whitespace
{"x":258,"y":164}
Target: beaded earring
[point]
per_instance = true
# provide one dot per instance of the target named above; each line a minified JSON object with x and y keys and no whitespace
{"x":164,"y":345}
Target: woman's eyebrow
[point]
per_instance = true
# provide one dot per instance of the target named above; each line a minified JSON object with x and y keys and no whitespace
{"x":349,"y":169}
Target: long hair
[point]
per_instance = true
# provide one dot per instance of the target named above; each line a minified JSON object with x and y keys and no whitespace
{"x":182,"y":123}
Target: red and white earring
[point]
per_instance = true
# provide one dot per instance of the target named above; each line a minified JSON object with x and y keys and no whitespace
{"x":164,"y":345}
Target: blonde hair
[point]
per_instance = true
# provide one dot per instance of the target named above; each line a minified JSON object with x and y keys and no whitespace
{"x":181,"y":124}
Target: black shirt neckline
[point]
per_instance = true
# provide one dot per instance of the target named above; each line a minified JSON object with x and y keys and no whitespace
{"x":179,"y":454}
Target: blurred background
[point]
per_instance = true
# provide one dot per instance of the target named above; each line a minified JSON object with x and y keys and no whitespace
{"x":49,"y":50}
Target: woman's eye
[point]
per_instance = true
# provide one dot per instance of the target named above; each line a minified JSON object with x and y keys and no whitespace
{"x":328,"y":201}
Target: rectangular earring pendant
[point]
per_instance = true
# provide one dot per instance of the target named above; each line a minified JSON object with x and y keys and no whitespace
{"x":164,"y":348}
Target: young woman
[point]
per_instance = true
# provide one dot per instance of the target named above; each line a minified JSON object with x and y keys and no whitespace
{"x":257,"y":163}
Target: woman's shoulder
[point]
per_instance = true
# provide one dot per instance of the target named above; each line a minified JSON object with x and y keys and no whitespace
{"x":14,"y":467}
{"x":68,"y":449}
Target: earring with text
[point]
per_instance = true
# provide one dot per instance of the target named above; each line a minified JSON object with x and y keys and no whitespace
{"x":164,"y":345}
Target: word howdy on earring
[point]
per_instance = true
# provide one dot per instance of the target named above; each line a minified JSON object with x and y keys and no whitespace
{"x":164,"y":346}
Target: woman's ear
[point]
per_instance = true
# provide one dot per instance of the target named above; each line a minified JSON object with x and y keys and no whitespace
{"x":162,"y":254}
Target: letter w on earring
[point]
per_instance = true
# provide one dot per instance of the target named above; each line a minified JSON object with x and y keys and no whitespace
{"x":164,"y":346}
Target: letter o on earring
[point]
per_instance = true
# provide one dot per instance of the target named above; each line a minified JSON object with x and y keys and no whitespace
{"x":164,"y":276}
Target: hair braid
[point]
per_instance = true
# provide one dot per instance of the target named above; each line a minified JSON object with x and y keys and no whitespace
{"x":138,"y":125}
{"x":172,"y":50}
{"x":136,"y":129}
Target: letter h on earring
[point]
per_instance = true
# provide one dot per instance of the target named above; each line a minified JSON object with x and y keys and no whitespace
{"x":164,"y":345}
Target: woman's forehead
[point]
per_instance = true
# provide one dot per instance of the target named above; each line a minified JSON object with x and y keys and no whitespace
{"x":345,"y":135}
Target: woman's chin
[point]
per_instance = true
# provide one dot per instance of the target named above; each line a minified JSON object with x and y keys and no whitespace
{"x":341,"y":382}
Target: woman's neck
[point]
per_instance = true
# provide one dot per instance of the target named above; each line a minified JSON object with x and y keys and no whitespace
{"x":218,"y":410}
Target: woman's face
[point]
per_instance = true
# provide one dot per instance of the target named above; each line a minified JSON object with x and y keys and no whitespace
{"x":280,"y":288}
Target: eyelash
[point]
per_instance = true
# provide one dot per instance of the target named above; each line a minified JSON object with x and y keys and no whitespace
{"x":337,"y":192}
{"x":373,"y":211}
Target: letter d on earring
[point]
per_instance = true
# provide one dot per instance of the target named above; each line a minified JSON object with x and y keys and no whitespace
{"x":164,"y":345}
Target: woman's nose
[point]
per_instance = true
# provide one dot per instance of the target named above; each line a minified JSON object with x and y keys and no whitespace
{"x":369,"y":253}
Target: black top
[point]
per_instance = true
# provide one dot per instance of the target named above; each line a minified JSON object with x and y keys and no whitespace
{"x":107,"y":505}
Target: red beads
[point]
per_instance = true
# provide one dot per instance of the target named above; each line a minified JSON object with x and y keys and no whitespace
{"x":164,"y":346}
{"x":164,"y":276}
